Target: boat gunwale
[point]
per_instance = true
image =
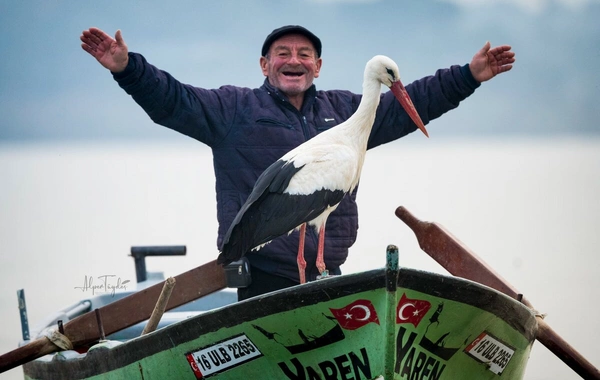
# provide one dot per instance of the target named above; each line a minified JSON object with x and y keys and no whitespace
{"x":95,"y":362}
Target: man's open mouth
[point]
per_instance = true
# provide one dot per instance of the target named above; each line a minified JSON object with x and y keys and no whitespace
{"x":292,"y":74}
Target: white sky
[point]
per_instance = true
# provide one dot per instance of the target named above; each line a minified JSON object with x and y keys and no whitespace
{"x":47,"y":82}
{"x":534,"y":6}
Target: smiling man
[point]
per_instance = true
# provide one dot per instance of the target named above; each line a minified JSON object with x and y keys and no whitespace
{"x":291,"y":60}
{"x":249,"y":129}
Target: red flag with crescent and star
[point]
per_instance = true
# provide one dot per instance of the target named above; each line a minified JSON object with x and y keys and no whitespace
{"x":411,"y":311}
{"x":355,"y":315}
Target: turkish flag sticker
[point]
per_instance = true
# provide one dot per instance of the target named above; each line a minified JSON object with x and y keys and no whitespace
{"x":411,"y":311}
{"x":355,"y":315}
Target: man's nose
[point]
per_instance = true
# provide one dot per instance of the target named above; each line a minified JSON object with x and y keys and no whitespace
{"x":294,"y":59}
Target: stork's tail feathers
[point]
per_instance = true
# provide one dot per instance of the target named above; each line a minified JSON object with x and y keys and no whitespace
{"x":222,"y":260}
{"x":230,"y":251}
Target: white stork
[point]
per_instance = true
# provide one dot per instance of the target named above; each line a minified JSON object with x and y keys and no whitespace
{"x":309,"y":182}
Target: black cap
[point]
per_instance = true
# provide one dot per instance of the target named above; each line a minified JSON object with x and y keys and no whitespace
{"x":291,"y":29}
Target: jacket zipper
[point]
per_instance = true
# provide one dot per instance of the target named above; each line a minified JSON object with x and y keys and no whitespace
{"x":303,"y":121}
{"x":305,"y":128}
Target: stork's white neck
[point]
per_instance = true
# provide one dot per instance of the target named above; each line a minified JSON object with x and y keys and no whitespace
{"x":358,"y":126}
{"x":357,"y":129}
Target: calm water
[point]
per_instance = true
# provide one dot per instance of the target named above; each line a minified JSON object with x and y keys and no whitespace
{"x":529,"y":208}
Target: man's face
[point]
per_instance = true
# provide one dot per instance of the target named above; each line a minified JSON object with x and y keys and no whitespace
{"x":292,"y":64}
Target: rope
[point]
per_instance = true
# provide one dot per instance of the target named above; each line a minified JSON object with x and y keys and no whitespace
{"x":58,"y":339}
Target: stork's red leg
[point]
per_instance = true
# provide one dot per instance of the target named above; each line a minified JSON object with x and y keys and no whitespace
{"x":301,"y":261}
{"x":320,"y":259}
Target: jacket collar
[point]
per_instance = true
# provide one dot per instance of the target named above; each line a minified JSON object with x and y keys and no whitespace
{"x":309,"y":95}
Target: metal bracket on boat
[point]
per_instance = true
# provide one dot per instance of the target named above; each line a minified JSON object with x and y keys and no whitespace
{"x":100,"y":325}
{"x":535,"y":312}
{"x":139,"y":256}
{"x":23,"y":314}
{"x":325,"y":275}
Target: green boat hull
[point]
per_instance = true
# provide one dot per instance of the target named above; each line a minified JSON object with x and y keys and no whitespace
{"x":387,"y":323}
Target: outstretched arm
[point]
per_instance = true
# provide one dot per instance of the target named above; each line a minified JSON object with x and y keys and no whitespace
{"x":487,"y":63}
{"x":110,"y":52}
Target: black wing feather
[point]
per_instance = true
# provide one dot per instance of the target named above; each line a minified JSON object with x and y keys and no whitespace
{"x":269,"y":212}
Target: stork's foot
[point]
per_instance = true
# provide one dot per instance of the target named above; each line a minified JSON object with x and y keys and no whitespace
{"x":324,"y":274}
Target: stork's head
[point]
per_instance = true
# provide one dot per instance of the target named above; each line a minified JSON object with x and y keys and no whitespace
{"x":384,"y":70}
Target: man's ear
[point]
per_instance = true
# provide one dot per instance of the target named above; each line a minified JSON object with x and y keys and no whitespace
{"x":318,"y":69}
{"x":263,"y":65}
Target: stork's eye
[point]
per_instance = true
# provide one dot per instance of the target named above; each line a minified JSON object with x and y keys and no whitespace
{"x":391,"y":72}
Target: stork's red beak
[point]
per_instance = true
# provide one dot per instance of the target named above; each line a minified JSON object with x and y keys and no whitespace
{"x":400,"y":92}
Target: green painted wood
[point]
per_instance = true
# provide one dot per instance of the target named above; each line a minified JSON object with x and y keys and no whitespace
{"x":346,"y":327}
{"x":391,"y":277}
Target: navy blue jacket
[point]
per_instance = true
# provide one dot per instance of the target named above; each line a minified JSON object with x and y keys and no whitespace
{"x":249,"y":129}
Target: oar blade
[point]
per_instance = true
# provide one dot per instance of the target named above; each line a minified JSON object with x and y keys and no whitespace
{"x":460,"y":261}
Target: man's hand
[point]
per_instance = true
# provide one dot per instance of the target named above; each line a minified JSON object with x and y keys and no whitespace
{"x":488,"y":63}
{"x":111,"y":53}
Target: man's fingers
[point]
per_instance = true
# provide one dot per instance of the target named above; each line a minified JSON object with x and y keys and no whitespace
{"x":90,"y":38}
{"x":99,"y":34}
{"x":87,"y":48}
{"x":119,"y":38}
{"x":485,"y":48}
{"x":503,"y":50}
{"x":95,"y":40}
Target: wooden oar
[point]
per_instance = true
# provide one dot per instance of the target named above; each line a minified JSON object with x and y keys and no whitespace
{"x":460,"y":261}
{"x":128,"y":311}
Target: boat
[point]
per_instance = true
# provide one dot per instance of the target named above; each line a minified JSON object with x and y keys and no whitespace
{"x":391,"y":323}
